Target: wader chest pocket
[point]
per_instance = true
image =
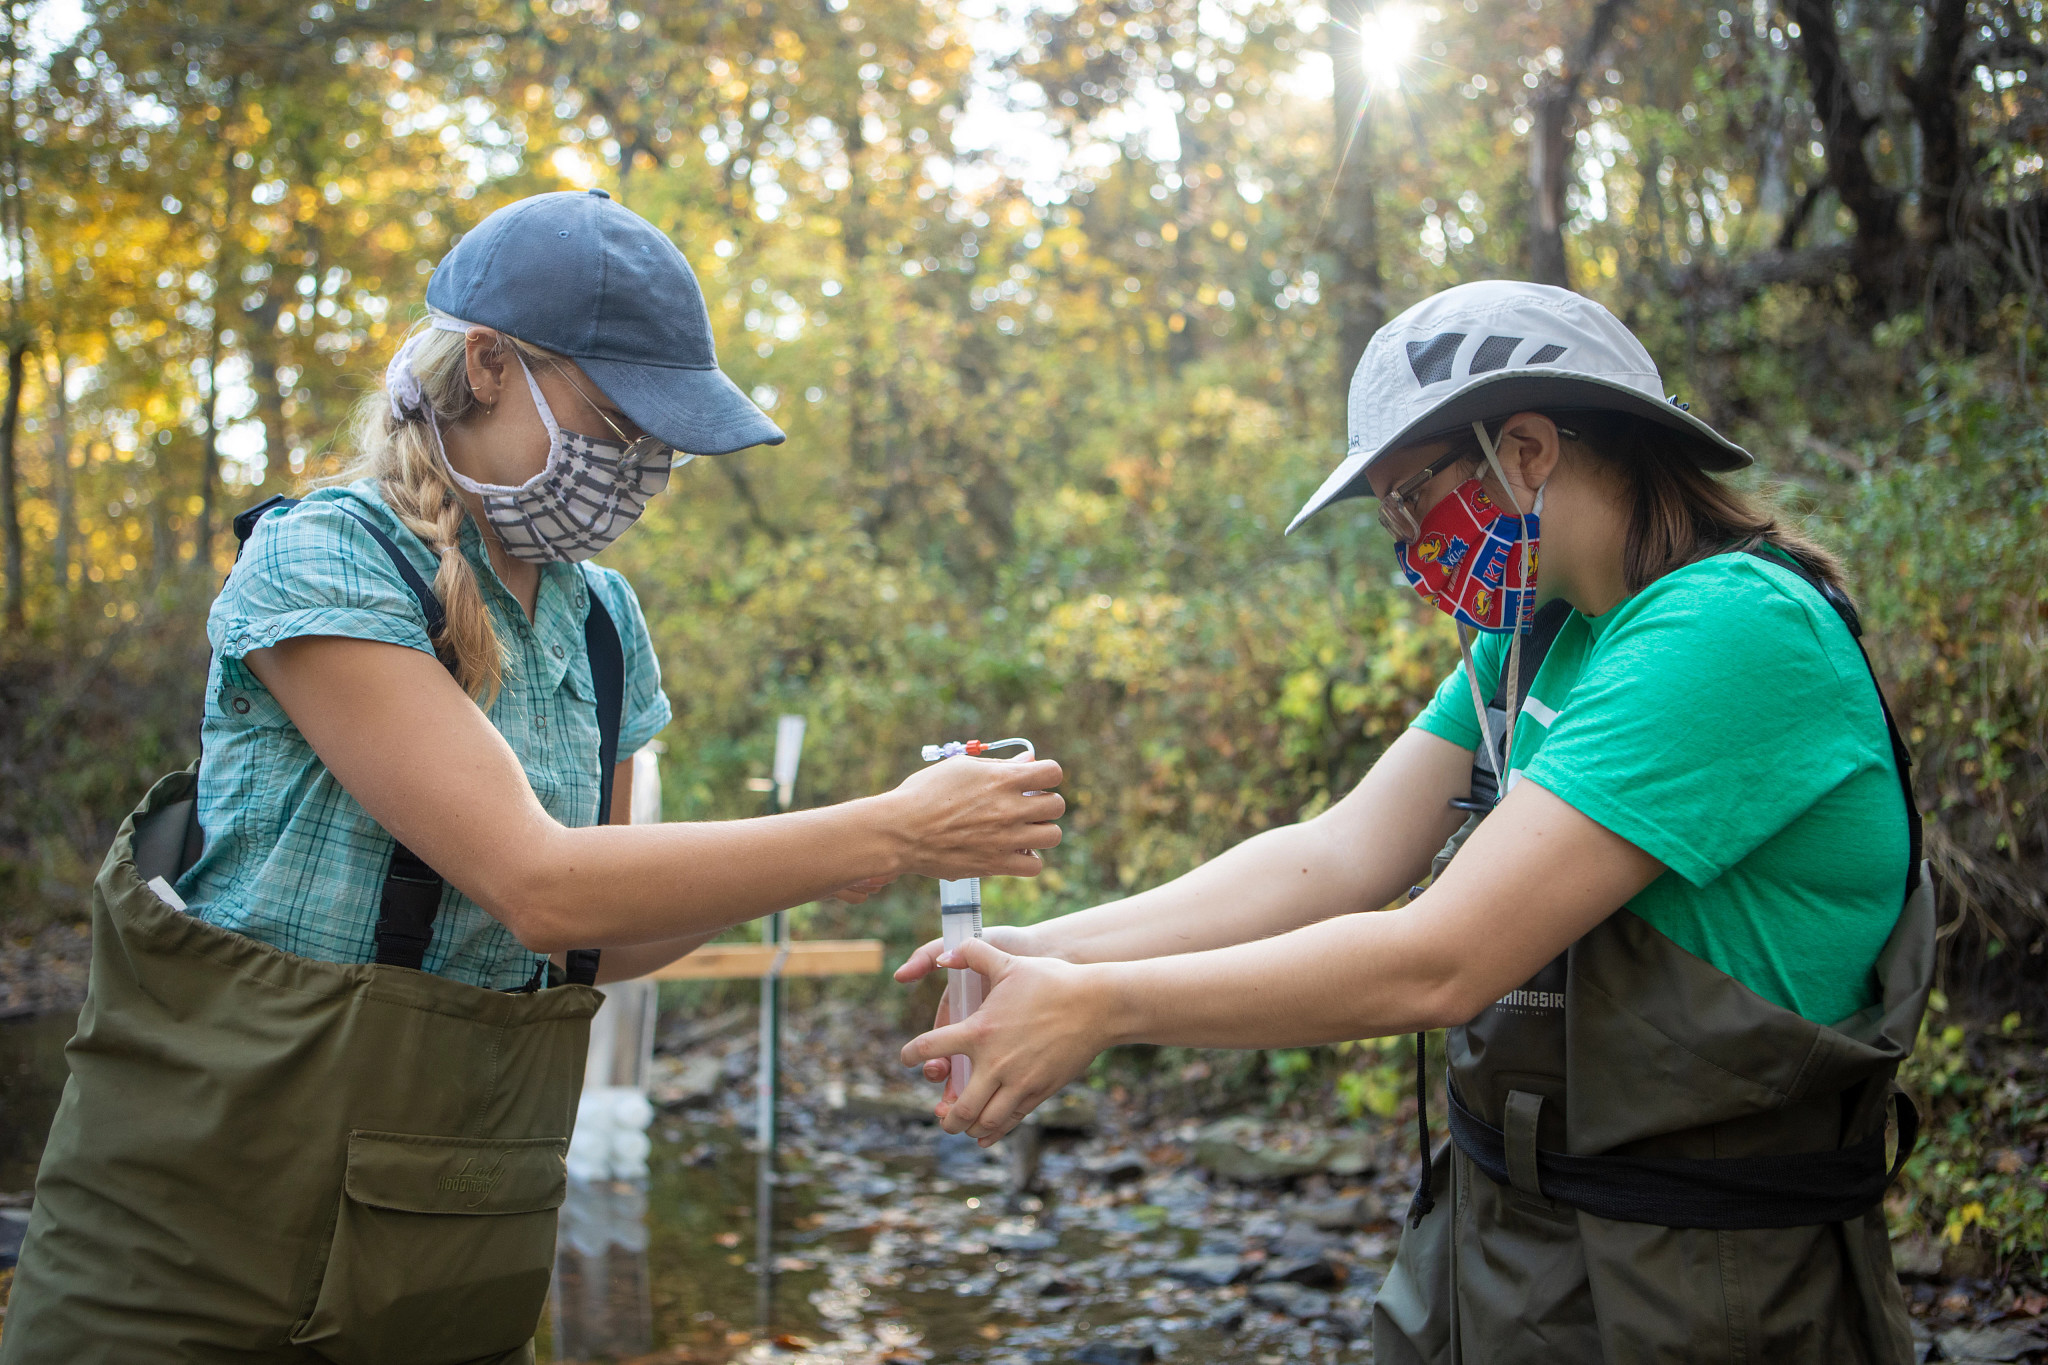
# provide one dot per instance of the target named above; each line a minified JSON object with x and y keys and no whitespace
{"x":442,"y":1249}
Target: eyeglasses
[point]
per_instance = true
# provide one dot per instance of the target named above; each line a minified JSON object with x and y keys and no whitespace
{"x":1397,"y":509}
{"x":1398,"y":512}
{"x":639,"y":449}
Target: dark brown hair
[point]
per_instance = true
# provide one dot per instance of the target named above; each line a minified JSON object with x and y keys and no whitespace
{"x":1678,"y":513}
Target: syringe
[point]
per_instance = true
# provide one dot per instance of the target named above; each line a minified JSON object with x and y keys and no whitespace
{"x":960,"y":911}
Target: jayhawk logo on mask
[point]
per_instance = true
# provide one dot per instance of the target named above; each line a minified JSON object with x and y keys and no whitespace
{"x":1446,"y":552}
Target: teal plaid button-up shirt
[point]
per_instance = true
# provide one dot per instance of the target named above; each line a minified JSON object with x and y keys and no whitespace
{"x":292,"y":859}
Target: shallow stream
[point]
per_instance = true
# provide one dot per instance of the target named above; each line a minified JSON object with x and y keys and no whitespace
{"x":897,"y":1243}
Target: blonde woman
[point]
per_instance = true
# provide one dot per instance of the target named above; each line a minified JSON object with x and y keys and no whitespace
{"x":324,"y":1078}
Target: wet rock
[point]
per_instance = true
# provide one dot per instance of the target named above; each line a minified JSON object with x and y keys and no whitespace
{"x":1117,"y":1353}
{"x":870,"y":1102}
{"x":1233,"y":1148}
{"x":1076,"y":1109}
{"x":1118,"y":1168}
{"x":1265,"y":1226}
{"x":1046,"y":1282}
{"x":680,"y":1033}
{"x":1299,"y":1241}
{"x":1209,"y":1270}
{"x":1228,"y":1318}
{"x":1349,"y":1321}
{"x":1296,"y":1301}
{"x":1917,"y":1257}
{"x":681,"y":1080}
{"x":1968,"y":1260}
{"x":960,"y":1157}
{"x":1342,"y":1213}
{"x":1350,"y":1154}
{"x":1024,"y":1243}
{"x":1989,"y":1343}
{"x":1182,"y":1192}
{"x":1317,"y":1272}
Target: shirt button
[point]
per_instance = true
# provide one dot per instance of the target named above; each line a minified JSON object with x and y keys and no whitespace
{"x":241,"y":705}
{"x":556,"y":651}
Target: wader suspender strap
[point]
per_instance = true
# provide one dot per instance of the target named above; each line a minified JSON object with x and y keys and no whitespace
{"x":1543,"y":629}
{"x":1802,"y":1189}
{"x":608,"y":680}
{"x":411,"y":897}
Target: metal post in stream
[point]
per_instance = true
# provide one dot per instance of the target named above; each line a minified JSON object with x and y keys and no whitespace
{"x":789,"y":747}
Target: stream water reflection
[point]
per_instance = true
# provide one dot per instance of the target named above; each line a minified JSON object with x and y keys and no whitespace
{"x":895,"y":1244}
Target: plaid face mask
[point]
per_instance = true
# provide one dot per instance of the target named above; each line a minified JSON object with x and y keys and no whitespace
{"x":585,"y":497}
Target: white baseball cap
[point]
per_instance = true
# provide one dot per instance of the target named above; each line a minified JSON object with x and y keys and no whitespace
{"x":1488,"y":350}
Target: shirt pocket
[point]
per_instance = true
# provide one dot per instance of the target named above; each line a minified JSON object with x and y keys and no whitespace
{"x":571,"y":751}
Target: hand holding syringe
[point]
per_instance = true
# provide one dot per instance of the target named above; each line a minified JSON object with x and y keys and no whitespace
{"x":960,"y":910}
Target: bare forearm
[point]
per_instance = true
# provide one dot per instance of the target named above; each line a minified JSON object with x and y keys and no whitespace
{"x":613,"y":886}
{"x":628,"y":964}
{"x":1361,"y":854}
{"x":1360,"y":976}
{"x":1269,"y":884}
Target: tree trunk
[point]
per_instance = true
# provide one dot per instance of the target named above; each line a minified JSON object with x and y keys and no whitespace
{"x":209,"y":463}
{"x":1356,"y":291}
{"x":1944,"y":146}
{"x":61,"y":478}
{"x":1550,"y":152}
{"x":1552,"y":136}
{"x":224,"y":284}
{"x":260,"y":343}
{"x":10,"y":478}
{"x":1876,"y":255}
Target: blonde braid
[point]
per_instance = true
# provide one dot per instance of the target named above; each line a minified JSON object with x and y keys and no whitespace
{"x":406,"y":461}
{"x":420,"y":493}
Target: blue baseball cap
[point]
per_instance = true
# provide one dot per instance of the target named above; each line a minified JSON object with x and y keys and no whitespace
{"x":583,"y":276}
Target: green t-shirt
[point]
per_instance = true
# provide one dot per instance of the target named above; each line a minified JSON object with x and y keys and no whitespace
{"x":1722,"y":720}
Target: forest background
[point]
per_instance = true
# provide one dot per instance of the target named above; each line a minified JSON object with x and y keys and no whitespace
{"x":1057,"y":303}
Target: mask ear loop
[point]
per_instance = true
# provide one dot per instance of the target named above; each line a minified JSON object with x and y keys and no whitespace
{"x":1505,"y":764}
{"x":547,"y":417}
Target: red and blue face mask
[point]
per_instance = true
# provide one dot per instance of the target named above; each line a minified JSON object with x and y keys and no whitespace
{"x":1474,"y":562}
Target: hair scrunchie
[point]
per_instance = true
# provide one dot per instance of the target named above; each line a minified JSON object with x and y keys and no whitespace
{"x":408,"y":400}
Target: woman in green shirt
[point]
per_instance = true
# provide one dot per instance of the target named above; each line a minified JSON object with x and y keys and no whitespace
{"x":1678,"y":935}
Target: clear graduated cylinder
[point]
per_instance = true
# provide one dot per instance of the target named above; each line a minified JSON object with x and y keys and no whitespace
{"x":960,"y":909}
{"x":960,"y":920}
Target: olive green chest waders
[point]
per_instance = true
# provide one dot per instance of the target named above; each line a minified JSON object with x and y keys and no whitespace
{"x":263,"y":1158}
{"x":1650,"y":1163}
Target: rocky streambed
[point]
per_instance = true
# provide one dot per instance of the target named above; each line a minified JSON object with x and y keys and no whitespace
{"x":1090,"y":1236}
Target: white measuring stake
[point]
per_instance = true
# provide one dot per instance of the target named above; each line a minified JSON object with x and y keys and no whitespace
{"x":960,"y":920}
